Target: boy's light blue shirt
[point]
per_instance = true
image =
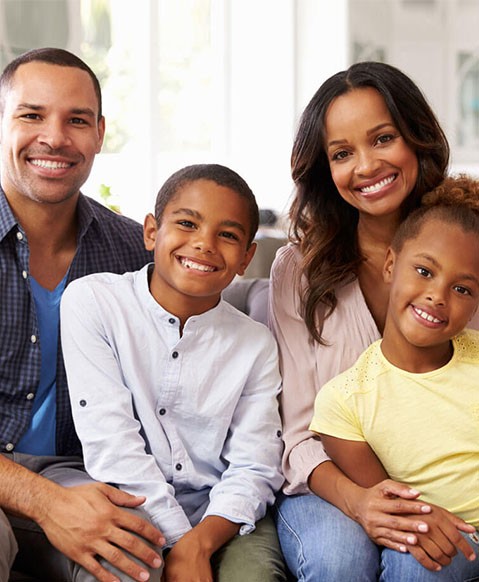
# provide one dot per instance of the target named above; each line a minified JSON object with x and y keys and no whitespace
{"x":39,"y":439}
{"x":190,"y":422}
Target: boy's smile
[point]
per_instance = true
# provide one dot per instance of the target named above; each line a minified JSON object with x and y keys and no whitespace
{"x":200,"y":245}
{"x":434,"y":293}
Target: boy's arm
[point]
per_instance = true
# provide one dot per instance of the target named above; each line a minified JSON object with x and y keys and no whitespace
{"x":189,"y":560}
{"x":253,"y":447}
{"x":113,"y":447}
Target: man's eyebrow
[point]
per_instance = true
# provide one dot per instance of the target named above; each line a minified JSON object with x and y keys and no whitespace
{"x":199,"y":216}
{"x":75,"y":111}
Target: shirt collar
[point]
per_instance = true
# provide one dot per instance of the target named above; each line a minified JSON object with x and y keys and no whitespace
{"x":7,"y":219}
{"x":87,"y":215}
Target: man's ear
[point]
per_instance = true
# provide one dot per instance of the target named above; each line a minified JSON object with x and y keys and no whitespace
{"x":389,"y":265}
{"x":150,"y":229}
{"x":249,"y":254}
{"x":101,"y":134}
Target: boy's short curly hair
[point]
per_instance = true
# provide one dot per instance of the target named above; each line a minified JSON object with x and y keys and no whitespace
{"x":455,"y":201}
{"x":221,"y":175}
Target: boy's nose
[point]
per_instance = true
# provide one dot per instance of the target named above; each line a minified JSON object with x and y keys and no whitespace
{"x":205,"y":244}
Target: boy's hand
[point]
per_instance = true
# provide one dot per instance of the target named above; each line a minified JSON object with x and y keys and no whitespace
{"x":442,"y":541}
{"x":85,"y":522}
{"x":187,"y":561}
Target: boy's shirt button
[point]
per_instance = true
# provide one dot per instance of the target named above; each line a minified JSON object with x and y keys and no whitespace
{"x":162,"y":411}
{"x":178,"y":466}
{"x":175,"y":355}
{"x":171,"y":320}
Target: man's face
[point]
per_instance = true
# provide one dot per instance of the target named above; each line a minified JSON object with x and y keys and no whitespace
{"x":49,"y":133}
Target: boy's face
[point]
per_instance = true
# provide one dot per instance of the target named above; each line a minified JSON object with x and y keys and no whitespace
{"x":434,"y":291}
{"x":199,"y":247}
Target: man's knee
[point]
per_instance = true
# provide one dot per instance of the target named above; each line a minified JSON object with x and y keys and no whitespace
{"x":8,"y":547}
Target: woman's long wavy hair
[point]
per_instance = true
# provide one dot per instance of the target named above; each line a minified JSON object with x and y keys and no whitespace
{"x":322,"y":223}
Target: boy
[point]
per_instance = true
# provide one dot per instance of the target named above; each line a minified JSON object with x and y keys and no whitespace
{"x":390,"y":413}
{"x":173,"y":390}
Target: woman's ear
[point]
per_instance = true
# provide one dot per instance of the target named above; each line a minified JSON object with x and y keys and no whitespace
{"x":389,"y":265}
{"x":150,"y":228}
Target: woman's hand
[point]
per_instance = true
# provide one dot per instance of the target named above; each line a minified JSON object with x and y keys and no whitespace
{"x":389,"y":513}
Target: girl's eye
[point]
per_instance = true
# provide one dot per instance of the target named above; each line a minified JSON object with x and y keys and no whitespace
{"x":423,"y":272}
{"x":462,"y":290}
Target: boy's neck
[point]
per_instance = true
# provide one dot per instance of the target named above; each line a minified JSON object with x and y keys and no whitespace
{"x":414,"y":359}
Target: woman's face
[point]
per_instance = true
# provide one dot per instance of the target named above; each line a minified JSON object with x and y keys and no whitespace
{"x":374,"y":169}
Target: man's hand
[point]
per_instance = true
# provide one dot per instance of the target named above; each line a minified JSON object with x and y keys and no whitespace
{"x":86,"y":522}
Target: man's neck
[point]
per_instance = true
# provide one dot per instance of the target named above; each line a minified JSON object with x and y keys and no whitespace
{"x":51,"y":231}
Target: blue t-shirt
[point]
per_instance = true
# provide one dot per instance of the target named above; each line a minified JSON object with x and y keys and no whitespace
{"x":39,"y":439}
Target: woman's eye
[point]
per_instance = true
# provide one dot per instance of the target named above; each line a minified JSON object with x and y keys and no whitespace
{"x":385,"y":138}
{"x":341,"y":155}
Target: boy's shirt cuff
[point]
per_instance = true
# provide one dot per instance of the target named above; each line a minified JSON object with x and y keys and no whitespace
{"x":172,"y":523}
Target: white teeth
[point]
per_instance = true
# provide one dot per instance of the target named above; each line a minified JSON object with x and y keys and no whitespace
{"x":378,"y":186}
{"x":49,"y":164}
{"x":189,"y":264}
{"x":427,"y":316}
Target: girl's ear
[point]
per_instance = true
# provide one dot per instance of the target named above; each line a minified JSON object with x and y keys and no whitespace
{"x":389,"y":265}
{"x":150,"y":228}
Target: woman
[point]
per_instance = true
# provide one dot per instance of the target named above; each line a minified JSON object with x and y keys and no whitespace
{"x":367,"y":148}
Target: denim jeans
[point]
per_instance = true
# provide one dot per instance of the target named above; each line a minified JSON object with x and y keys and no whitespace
{"x":322,"y":544}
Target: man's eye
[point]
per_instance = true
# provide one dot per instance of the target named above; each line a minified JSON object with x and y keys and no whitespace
{"x":30,"y":116}
{"x":78,"y":121}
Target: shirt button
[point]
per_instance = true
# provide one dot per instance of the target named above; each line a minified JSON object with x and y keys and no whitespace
{"x":30,"y":396}
{"x":19,"y":236}
{"x":9,"y":447}
{"x":24,"y":274}
{"x":33,"y":339}
{"x":82,"y":403}
{"x":171,"y":320}
{"x":278,"y":433}
{"x":162,"y":411}
{"x":175,"y":355}
{"x":178,"y":466}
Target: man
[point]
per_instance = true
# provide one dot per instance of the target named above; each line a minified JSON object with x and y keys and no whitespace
{"x":66,"y":526}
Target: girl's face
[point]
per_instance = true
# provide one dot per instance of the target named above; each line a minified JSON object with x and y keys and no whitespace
{"x":374,"y":169}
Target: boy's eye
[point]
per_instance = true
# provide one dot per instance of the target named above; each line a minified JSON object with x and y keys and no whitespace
{"x":230,"y":235}
{"x":30,"y":116}
{"x":462,"y":290}
{"x":186,"y":223}
{"x":423,"y":272}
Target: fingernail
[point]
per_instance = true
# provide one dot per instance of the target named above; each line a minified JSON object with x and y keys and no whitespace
{"x":422,"y":527}
{"x":403,"y":549}
{"x":144,"y":575}
{"x":411,"y":540}
{"x":157,"y":563}
{"x":414,"y":491}
{"x":438,"y":568}
{"x":426,"y":508}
